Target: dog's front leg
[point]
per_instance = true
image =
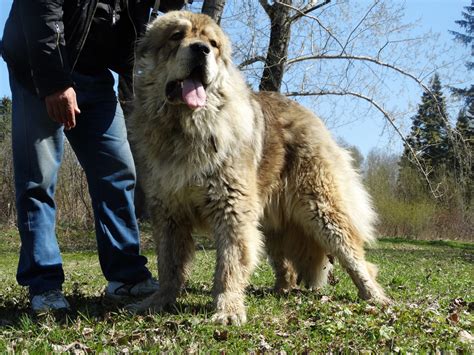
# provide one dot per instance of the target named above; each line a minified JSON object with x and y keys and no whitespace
{"x":238,"y":242}
{"x":175,"y":251}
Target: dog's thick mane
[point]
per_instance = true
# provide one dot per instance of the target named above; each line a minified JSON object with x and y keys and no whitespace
{"x":196,"y":143}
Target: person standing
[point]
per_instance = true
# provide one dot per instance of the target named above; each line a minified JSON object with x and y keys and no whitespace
{"x":60,"y":54}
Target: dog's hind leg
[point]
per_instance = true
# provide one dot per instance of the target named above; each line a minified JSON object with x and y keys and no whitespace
{"x":285,"y":273}
{"x":321,"y":213}
{"x":311,"y":262}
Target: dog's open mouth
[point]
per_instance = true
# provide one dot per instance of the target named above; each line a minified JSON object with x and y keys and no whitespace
{"x":191,"y":90}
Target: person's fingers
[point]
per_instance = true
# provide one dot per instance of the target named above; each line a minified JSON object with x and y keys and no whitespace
{"x":70,"y":118}
{"x":62,"y":107}
{"x":50,"y":110}
{"x":57,"y":116}
{"x":73,"y":110}
{"x":72,"y":123}
{"x":64,"y":111}
{"x":76,"y":108}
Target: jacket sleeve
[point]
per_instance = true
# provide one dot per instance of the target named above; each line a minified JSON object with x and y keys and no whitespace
{"x":43,"y":27}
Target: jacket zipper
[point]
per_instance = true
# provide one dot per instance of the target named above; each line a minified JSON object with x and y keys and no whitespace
{"x":134,"y":46}
{"x":85,"y":37}
{"x":58,"y":38}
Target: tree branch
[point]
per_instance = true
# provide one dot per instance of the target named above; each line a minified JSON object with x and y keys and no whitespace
{"x":390,"y":119}
{"x":252,"y":60}
{"x":360,"y":22}
{"x":301,"y":13}
{"x":378,"y":62}
{"x":361,"y":58}
{"x":310,"y":7}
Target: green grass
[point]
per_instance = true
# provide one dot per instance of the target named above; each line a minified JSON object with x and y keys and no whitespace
{"x":432,"y":286}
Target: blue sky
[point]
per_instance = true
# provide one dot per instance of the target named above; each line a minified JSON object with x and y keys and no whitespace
{"x":431,"y":15}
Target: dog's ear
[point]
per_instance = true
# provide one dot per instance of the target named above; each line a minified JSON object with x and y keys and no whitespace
{"x":158,"y":30}
{"x":151,"y":41}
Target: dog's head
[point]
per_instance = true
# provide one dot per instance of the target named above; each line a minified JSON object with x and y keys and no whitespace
{"x":181,"y":55}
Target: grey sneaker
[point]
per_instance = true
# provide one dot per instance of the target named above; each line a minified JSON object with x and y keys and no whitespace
{"x":120,"y":291}
{"x":52,"y":300}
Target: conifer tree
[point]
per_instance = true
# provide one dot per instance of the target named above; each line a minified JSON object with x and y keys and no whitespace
{"x":428,"y":139}
{"x":463,"y":155}
{"x":429,"y":132}
{"x":467,"y":39}
{"x":464,"y":159}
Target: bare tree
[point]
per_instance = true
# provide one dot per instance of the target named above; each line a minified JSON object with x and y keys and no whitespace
{"x":313,"y":50}
{"x":281,"y":21}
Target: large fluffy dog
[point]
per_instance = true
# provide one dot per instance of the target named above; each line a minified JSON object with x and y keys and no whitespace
{"x":252,"y":169}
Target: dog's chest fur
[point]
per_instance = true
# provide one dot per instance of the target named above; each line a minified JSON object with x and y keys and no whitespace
{"x":189,"y":147}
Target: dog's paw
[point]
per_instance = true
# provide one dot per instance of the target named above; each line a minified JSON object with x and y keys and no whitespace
{"x":230,"y":309}
{"x":226,"y":318}
{"x":381,"y":300}
{"x":377,"y":298}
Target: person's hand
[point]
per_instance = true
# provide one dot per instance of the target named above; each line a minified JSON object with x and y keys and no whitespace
{"x":62,"y":107}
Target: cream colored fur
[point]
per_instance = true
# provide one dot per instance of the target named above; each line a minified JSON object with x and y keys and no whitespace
{"x":254,"y":170}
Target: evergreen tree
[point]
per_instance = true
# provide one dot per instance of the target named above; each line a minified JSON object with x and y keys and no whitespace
{"x":467,"y":39}
{"x":464,"y":159}
{"x":428,"y":139}
{"x":429,"y":132}
{"x":465,"y":124}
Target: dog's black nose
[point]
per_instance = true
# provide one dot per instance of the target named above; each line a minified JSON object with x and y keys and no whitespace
{"x":200,"y":48}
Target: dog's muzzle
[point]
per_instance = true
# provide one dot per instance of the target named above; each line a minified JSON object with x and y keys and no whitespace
{"x":192,"y":89}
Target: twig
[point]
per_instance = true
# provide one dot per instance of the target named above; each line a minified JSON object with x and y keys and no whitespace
{"x":308,"y":8}
{"x":301,"y":13}
{"x":252,"y":60}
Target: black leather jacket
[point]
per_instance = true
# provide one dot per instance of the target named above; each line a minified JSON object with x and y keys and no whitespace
{"x":42,"y":39}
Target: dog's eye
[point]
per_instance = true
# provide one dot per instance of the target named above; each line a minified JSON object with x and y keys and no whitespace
{"x":177,"y":36}
{"x":213,"y":43}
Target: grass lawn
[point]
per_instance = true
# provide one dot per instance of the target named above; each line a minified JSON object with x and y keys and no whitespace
{"x":431,"y":284}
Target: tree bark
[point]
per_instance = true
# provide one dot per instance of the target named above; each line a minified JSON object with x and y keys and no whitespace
{"x":214,"y":8}
{"x":280,"y":35}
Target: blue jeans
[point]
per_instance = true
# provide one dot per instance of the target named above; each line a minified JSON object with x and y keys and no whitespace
{"x":100,"y":143}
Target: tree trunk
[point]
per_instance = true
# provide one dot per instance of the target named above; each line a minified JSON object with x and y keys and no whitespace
{"x":214,"y":8}
{"x":280,"y":35}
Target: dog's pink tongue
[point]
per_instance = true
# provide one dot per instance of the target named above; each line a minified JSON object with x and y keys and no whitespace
{"x":194,"y":94}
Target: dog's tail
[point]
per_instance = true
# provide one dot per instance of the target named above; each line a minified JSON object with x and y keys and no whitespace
{"x":355,"y":198}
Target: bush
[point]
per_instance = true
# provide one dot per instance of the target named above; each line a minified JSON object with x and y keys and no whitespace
{"x":72,"y":200}
{"x":405,"y":207}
